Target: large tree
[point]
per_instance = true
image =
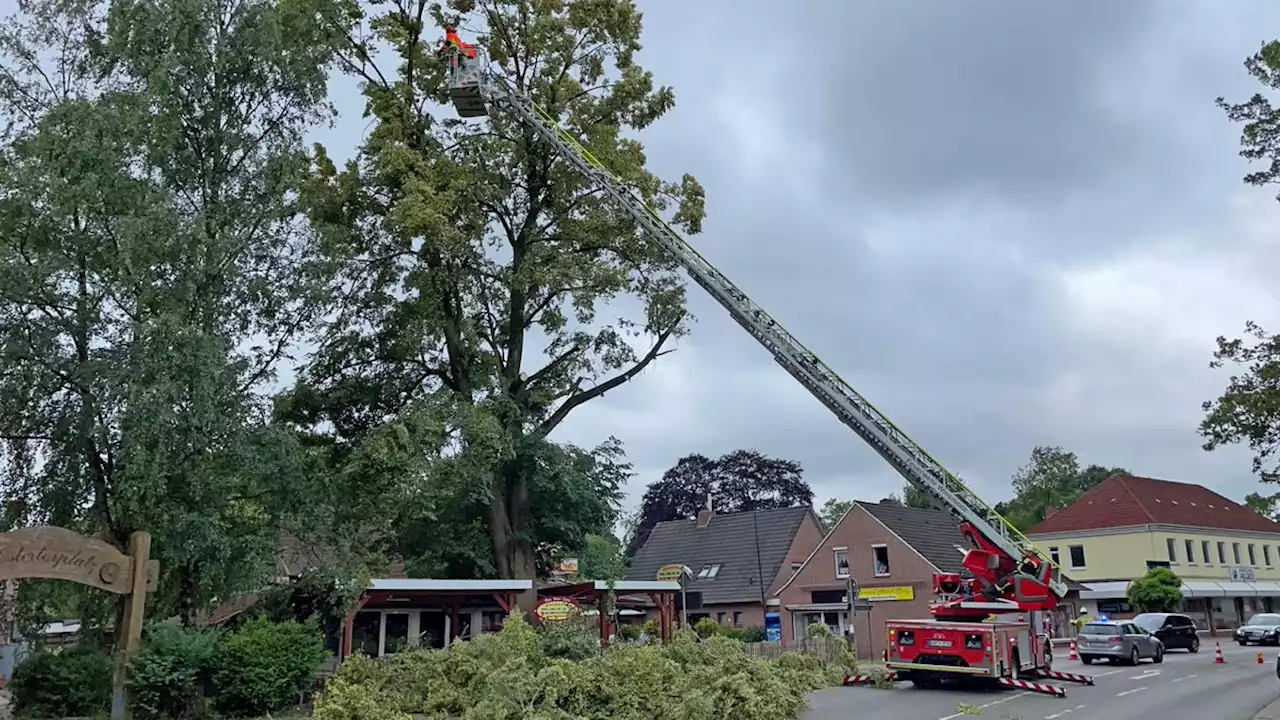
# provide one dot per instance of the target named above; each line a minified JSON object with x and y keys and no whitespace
{"x":739,"y":481}
{"x":148,"y":255}
{"x":1248,"y":411}
{"x":1051,"y":480}
{"x":476,"y":266}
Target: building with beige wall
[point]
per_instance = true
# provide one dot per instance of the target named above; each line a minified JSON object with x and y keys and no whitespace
{"x":1227,"y":555}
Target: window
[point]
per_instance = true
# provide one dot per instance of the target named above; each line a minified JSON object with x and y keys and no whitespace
{"x":1171,"y":546}
{"x":720,"y":618}
{"x":1204,"y":550}
{"x":1222,"y":553}
{"x":708,"y":572}
{"x":842,"y":562}
{"x":880,"y":555}
{"x":1053,"y":555}
{"x":1235,"y":551}
{"x":1266,"y":555}
{"x":1076,"y":553}
{"x":1253,"y":555}
{"x":1191,"y":551}
{"x":737,"y":619}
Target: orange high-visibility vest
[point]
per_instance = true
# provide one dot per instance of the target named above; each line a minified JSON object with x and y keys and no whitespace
{"x":465,"y":48}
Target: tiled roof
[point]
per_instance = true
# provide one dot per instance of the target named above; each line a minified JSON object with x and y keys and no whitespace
{"x":728,"y":541}
{"x":933,"y":533}
{"x":1126,"y":501}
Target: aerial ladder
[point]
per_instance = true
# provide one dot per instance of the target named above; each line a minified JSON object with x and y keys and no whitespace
{"x":1003,"y":572}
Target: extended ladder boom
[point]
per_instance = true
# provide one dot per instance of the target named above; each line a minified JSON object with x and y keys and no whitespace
{"x":855,"y":411}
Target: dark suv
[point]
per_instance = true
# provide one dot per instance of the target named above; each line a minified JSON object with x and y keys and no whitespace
{"x":1176,"y":630}
{"x":1263,"y":629}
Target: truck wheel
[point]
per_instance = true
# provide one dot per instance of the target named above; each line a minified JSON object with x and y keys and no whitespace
{"x":926,"y":683}
{"x":1086,"y":659}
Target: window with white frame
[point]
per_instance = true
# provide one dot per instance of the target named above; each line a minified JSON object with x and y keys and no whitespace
{"x":1253,"y":555}
{"x":842,"y":562}
{"x":1171,"y":547}
{"x":1191,"y":551}
{"x":1076,"y":554}
{"x":1053,"y":555}
{"x":1204,"y":550}
{"x":880,"y":558}
{"x":708,"y":572}
{"x":1266,"y":555}
{"x":1222,"y":553}
{"x":1235,"y":552}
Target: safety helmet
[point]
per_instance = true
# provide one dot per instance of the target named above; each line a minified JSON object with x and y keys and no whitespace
{"x":451,"y":28}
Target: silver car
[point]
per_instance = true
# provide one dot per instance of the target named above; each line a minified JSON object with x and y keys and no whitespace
{"x":1118,"y":641}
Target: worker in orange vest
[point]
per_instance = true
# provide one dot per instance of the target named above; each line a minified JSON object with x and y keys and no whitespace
{"x":453,"y":42}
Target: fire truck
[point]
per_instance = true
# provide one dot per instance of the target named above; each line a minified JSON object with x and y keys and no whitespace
{"x":986,"y":621}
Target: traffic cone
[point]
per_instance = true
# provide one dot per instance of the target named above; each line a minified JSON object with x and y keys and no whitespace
{"x":1072,"y":655}
{"x":1217,"y":654}
{"x":1259,"y":658}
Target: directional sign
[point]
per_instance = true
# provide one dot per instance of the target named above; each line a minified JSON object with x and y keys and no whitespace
{"x":862,"y":607}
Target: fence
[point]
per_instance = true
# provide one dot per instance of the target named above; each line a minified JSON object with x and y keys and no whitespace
{"x":826,"y":649}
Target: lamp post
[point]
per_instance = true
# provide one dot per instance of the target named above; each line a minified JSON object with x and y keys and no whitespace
{"x":685,"y":572}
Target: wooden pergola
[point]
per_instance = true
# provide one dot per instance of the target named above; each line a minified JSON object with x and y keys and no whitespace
{"x":627,"y":593}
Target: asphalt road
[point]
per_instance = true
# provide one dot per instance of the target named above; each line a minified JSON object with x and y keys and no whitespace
{"x":1185,"y":686}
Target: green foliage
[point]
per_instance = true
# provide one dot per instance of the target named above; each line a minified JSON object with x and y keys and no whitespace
{"x":706,"y":627}
{"x":1248,"y":411}
{"x":571,"y":639}
{"x":911,"y":497}
{"x":831,"y":512}
{"x":506,"y":676}
{"x":262,"y":668}
{"x":62,"y":683}
{"x":819,"y":630}
{"x":1267,"y":506}
{"x":602,"y":558}
{"x":1053,"y":479}
{"x":170,"y":675}
{"x":1160,"y":590}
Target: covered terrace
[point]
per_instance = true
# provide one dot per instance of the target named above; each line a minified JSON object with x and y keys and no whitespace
{"x":398,"y":613}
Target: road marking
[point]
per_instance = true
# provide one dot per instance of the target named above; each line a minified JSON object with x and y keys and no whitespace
{"x":1064,"y":712}
{"x":1130,"y":692}
{"x":1109,"y":672}
{"x":984,"y":706}
{"x":1148,"y":674}
{"x":1188,"y":677}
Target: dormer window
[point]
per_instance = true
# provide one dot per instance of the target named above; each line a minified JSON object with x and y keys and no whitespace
{"x":708,"y":572}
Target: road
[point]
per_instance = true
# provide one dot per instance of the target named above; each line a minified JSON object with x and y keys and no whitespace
{"x":1185,"y":686}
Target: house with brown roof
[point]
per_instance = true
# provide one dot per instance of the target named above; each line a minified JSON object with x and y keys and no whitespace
{"x":1226,"y":554}
{"x":736,"y":561}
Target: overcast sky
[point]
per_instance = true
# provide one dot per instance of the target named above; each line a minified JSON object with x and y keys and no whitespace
{"x":1007,"y":224}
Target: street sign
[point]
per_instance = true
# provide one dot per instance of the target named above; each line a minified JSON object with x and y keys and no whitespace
{"x":862,"y":607}
{"x":1240,"y":574}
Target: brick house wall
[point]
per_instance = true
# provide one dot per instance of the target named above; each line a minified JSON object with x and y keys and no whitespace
{"x":859,"y":532}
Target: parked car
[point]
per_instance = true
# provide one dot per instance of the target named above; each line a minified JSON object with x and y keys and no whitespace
{"x":1262,"y":629}
{"x":1175,"y":630}
{"x":1118,"y":641}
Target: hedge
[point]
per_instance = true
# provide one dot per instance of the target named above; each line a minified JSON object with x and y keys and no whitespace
{"x":178,"y":673}
{"x":513,"y":675}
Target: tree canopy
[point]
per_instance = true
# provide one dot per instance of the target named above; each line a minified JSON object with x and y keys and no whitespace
{"x":1248,"y":411}
{"x":1160,"y":590}
{"x":740,"y":481}
{"x":1051,"y":480}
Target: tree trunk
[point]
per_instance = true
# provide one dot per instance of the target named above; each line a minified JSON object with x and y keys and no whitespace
{"x":508,"y":526}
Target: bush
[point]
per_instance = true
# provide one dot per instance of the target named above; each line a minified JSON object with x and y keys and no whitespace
{"x":170,"y":675}
{"x":510,"y":675}
{"x":706,"y":627}
{"x":63,"y":683}
{"x":572,"y":639}
{"x":265,"y":666}
{"x":629,"y":632}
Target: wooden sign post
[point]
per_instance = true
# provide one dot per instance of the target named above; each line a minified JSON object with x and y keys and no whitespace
{"x":58,"y":554}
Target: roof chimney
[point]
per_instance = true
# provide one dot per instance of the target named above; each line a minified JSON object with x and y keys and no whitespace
{"x":705,"y":514}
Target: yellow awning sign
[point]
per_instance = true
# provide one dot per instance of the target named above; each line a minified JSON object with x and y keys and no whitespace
{"x":555,"y":609}
{"x":896,"y":592}
{"x":670,"y":573}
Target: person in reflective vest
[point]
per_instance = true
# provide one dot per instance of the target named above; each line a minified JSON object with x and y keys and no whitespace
{"x":454,"y":43}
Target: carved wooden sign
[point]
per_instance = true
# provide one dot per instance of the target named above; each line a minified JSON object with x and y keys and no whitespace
{"x":59,"y":554}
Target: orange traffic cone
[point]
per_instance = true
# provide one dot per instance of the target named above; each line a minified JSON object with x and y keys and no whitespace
{"x":1259,"y":658}
{"x":1217,"y":654}
{"x":1072,"y":655}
